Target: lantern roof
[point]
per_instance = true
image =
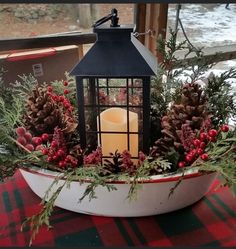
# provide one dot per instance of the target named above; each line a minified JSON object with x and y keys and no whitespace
{"x":116,"y":53}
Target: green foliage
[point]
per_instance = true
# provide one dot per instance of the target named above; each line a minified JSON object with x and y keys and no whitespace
{"x":174,"y":72}
{"x":10,"y":117}
{"x":221,"y":97}
{"x":12,"y":100}
{"x":7,"y":167}
{"x":24,"y":86}
{"x":143,"y":173}
{"x":59,"y":87}
{"x":42,"y":218}
{"x":5,"y":91}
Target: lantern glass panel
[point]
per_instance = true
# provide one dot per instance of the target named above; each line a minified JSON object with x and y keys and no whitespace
{"x":122,"y":101}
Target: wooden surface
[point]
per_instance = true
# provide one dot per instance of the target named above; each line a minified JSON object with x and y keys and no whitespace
{"x":47,"y":41}
{"x":224,"y":53}
{"x":151,"y":17}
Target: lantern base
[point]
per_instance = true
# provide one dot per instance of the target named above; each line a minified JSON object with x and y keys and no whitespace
{"x":152,"y":199}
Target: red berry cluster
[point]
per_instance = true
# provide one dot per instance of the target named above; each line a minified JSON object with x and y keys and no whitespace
{"x":57,"y":152}
{"x":200,"y":144}
{"x":24,"y":138}
{"x":59,"y":156}
{"x":60,"y":99}
{"x":31,"y":143}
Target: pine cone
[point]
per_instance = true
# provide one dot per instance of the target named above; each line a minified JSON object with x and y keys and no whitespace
{"x":43,"y":114}
{"x":184,"y":117}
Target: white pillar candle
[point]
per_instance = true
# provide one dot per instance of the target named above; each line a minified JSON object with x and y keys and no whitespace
{"x":115,"y":120}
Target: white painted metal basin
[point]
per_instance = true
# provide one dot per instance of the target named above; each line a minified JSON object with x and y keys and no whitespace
{"x":153,"y":197}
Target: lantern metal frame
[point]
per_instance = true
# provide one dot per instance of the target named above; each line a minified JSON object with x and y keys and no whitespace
{"x":115,"y":55}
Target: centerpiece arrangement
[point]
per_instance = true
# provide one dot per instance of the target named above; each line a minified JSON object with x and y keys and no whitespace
{"x":121,"y":129}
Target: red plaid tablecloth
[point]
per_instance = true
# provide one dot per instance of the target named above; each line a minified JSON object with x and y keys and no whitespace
{"x":210,"y":222}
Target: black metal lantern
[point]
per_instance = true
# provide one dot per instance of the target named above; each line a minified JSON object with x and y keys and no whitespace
{"x":113,"y":91}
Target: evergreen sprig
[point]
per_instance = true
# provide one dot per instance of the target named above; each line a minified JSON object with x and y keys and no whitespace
{"x":10,"y":117}
{"x":173,"y":72}
{"x":59,"y":87}
{"x":24,"y":86}
{"x":221,"y":97}
{"x":143,"y":174}
{"x":42,"y":217}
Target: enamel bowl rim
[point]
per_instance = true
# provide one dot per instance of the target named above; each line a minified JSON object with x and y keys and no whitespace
{"x":170,"y":177}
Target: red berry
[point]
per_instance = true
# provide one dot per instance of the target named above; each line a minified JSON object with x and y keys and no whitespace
{"x":39,"y":147}
{"x":67,"y":105}
{"x":55,"y":157}
{"x":55,"y":98}
{"x":224,"y":128}
{"x":181,"y":164}
{"x":62,"y":164}
{"x":49,"y":159}
{"x":54,"y":144}
{"x":74,"y":162}
{"x":66,"y":91}
{"x":200,"y":151}
{"x":61,"y":98}
{"x":44,"y":137}
{"x":44,"y":151}
{"x":202,"y":145}
{"x":20,"y":131}
{"x":189,"y":158}
{"x":203,"y":136}
{"x":196,"y":142}
{"x":212,"y":133}
{"x":37,"y":140}
{"x":50,"y":89}
{"x":212,"y":139}
{"x":65,"y":83}
{"x":28,"y":137}
{"x":30,"y":147}
{"x":204,"y":157}
{"x":65,"y":102}
{"x":68,"y":158}
{"x":60,"y":153}
{"x":21,"y":140}
{"x":193,"y":153}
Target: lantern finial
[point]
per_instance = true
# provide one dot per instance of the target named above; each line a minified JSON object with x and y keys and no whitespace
{"x":113,"y":17}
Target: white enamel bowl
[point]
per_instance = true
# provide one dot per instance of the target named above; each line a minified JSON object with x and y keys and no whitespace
{"x":153,"y":197}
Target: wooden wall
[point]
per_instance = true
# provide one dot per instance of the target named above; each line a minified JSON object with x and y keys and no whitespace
{"x":151,"y":17}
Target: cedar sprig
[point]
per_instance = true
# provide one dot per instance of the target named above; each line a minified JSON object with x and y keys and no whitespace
{"x":221,"y":97}
{"x":143,"y":173}
{"x":10,"y":117}
{"x":42,"y":217}
{"x":5,"y":90}
{"x":23,"y":87}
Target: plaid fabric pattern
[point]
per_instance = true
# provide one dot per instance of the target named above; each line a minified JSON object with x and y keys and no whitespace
{"x":210,"y":222}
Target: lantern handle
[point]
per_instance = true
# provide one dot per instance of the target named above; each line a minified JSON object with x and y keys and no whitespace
{"x":113,"y":17}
